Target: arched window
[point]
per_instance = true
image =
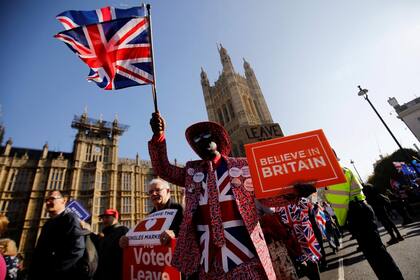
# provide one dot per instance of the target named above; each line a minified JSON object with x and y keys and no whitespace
{"x":231,"y":111}
{"x":226,"y":114}
{"x":258,"y":110}
{"x":220,"y":115}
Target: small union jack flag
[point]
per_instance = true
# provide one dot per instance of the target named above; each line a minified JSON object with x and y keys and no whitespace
{"x":307,"y":240}
{"x":290,"y":214}
{"x":321,"y":220}
{"x":114,"y":43}
{"x":297,"y":216}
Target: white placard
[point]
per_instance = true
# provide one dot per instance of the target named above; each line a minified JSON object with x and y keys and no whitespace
{"x":147,"y":232}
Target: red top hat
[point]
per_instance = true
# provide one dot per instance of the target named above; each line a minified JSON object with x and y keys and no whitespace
{"x":218,"y":132}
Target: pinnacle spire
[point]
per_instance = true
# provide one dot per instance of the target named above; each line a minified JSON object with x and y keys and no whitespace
{"x":204,"y":78}
{"x":225,"y":59}
{"x":203,"y":73}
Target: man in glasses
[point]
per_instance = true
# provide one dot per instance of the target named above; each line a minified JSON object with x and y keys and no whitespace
{"x":61,"y":243}
{"x":220,"y":236}
{"x":160,"y":195}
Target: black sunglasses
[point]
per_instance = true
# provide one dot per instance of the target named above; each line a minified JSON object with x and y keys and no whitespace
{"x":204,"y":135}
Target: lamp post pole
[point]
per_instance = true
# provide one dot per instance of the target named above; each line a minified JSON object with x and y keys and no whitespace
{"x":354,"y":166}
{"x":363,"y":92}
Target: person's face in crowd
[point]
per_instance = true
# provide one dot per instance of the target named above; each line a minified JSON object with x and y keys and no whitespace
{"x":55,"y":203}
{"x":108,"y":220}
{"x":159,"y":194}
{"x":207,"y":147}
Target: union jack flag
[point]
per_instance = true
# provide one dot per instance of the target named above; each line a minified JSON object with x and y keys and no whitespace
{"x":321,"y":220}
{"x":307,"y":240}
{"x":297,"y":216}
{"x":290,"y":214}
{"x":238,"y":246}
{"x":114,"y":43}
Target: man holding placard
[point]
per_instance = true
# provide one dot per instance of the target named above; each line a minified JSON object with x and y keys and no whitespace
{"x":150,"y":244}
{"x":160,"y":194}
{"x":220,"y":236}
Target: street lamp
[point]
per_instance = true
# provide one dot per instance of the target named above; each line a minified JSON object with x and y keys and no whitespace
{"x":363,"y":92}
{"x":354,"y":166}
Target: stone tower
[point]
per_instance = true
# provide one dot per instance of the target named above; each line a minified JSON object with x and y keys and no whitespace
{"x":96,"y":143}
{"x":238,"y":104}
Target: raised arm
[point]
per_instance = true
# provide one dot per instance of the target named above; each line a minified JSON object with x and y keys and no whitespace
{"x":158,"y":154}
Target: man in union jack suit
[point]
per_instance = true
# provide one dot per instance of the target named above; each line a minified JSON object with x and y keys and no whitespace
{"x":220,"y":236}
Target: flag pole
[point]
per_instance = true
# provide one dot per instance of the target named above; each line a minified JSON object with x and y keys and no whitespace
{"x":149,"y":17}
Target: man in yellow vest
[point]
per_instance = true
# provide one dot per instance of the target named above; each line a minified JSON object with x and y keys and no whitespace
{"x":340,"y":195}
{"x":348,"y":201}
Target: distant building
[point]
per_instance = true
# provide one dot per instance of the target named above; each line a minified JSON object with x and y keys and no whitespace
{"x":238,"y":104}
{"x":92,"y":174}
{"x":409,"y":113}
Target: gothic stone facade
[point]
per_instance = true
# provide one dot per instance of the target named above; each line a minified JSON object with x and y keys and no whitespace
{"x":238,"y":104}
{"x":92,"y":174}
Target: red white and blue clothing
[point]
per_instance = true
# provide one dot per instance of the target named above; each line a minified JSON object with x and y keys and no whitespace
{"x":296,"y":215}
{"x":238,"y":247}
{"x":230,"y":212}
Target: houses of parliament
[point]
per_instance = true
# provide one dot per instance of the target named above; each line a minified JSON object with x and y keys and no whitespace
{"x":96,"y":177}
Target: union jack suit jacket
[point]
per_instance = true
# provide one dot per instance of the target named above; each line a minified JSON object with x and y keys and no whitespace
{"x":187,"y":253}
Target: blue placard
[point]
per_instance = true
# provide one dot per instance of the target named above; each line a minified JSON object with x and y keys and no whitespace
{"x":78,"y":209}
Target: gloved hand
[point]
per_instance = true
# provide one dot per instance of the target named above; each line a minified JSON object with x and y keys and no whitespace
{"x":123,"y":242}
{"x":304,"y":189}
{"x":157,"y":123}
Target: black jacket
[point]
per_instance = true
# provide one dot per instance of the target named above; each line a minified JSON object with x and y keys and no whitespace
{"x":60,"y":246}
{"x":378,"y":201}
{"x":110,"y":254}
{"x":176,"y":223}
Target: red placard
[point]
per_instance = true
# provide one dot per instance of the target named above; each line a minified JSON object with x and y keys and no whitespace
{"x":277,"y":164}
{"x":149,"y":262}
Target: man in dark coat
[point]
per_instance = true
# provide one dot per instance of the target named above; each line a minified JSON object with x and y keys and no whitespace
{"x":361,"y":220}
{"x":378,"y":203}
{"x":109,"y":252}
{"x":60,"y":245}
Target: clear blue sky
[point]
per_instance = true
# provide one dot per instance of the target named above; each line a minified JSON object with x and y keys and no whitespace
{"x":309,"y":57}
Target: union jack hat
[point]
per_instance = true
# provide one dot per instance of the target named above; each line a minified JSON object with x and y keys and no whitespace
{"x":218,"y":133}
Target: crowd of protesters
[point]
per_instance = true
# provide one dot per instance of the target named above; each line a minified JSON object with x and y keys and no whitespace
{"x":284,"y":237}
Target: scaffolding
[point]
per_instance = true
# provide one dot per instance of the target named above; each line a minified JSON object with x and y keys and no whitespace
{"x":95,"y":126}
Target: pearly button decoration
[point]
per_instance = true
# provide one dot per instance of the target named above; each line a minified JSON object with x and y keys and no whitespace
{"x":245,"y":171}
{"x":235,"y":182}
{"x":198,"y":177}
{"x":248,"y":185}
{"x":235,"y":172}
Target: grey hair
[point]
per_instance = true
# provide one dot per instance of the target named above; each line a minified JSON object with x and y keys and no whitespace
{"x":163,"y":183}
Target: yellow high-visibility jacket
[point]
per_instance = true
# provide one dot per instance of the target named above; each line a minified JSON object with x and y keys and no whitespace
{"x":340,"y":195}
